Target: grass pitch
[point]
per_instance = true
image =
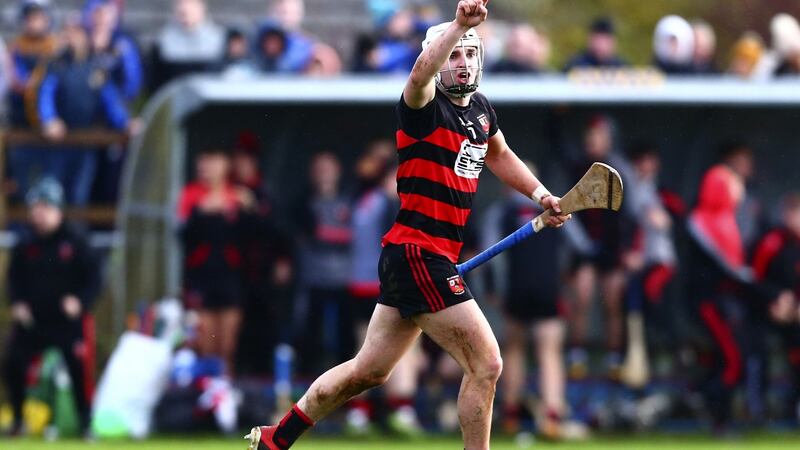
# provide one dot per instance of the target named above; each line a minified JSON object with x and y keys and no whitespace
{"x":665,"y":442}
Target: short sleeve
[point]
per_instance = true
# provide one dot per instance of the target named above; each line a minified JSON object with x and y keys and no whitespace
{"x":417,"y":123}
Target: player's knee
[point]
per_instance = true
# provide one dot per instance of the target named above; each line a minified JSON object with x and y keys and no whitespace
{"x":490,"y":368}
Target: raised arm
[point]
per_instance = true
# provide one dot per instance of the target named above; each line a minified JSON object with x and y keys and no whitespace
{"x":421,"y":87}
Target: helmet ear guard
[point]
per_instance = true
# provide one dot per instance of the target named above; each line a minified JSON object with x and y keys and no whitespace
{"x":470,"y":39}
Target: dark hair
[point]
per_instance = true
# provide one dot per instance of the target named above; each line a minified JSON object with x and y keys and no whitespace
{"x":602,"y":25}
{"x":639,"y":150}
{"x":732,"y":148}
{"x":213,"y":151}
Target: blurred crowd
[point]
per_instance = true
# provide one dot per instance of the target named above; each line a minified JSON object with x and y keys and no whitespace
{"x":258,"y":272}
{"x":85,"y":69}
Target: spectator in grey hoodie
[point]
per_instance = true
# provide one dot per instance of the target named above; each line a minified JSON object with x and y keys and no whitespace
{"x":190,"y":42}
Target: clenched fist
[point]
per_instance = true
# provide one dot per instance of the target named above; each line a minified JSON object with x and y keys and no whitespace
{"x":471,"y":13}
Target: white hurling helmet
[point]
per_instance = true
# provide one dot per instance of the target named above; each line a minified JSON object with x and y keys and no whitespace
{"x":470,"y":39}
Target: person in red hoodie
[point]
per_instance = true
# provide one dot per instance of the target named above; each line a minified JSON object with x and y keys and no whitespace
{"x":723,"y":288}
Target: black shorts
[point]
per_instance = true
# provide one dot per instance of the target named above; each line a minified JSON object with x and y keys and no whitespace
{"x":417,"y":281}
{"x":531,"y":305}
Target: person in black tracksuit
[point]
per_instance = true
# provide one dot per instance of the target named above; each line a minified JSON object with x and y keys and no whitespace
{"x":776,"y":262}
{"x":53,"y":280}
{"x":729,"y":300}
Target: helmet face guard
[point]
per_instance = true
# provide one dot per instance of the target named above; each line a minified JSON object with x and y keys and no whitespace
{"x":470,"y":40}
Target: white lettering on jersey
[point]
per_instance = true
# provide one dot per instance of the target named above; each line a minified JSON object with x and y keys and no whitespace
{"x":470,"y":160}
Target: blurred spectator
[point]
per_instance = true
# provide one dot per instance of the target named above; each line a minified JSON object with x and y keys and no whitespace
{"x":287,"y":17}
{"x":30,"y":51}
{"x":78,"y":94}
{"x":673,"y":46}
{"x":373,"y":215}
{"x":266,"y":259}
{"x":601,"y":48}
{"x":325,"y":237}
{"x":393,"y":48}
{"x":271,"y":48}
{"x":236,"y":59}
{"x":531,"y":298}
{"x":722,"y":290}
{"x":652,"y":261}
{"x":212,"y":211}
{"x":657,"y":261}
{"x":600,"y":261}
{"x":325,"y":61}
{"x":33,"y":46}
{"x":705,"y":45}
{"x":526,"y":51}
{"x":746,"y":54}
{"x":53,"y":281}
{"x":777,"y":263}
{"x":371,"y":167}
{"x":738,"y":157}
{"x":786,"y":45}
{"x":190,"y":42}
{"x":115,"y":50}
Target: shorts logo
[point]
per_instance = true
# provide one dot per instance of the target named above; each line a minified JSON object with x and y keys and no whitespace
{"x":470,"y":160}
{"x":484,"y":121}
{"x":456,"y":284}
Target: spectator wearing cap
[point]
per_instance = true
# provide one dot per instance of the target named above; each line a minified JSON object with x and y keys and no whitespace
{"x":53,"y":280}
{"x":601,"y":48}
{"x":527,"y":51}
{"x":76,"y":94}
{"x":673,"y":46}
{"x":190,"y":42}
{"x":115,"y":49}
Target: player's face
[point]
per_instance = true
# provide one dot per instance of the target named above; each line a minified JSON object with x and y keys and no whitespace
{"x":462,"y":67}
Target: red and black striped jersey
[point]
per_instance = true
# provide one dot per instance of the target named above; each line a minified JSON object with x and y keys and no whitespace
{"x":441,"y":150}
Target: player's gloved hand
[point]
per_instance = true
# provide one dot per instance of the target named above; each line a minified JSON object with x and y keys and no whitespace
{"x":558,"y":219}
{"x":471,"y":13}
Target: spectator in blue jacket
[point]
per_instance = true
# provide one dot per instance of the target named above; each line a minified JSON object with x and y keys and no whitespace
{"x":29,"y":51}
{"x":78,"y":94}
{"x":288,"y":15}
{"x":114,"y":48}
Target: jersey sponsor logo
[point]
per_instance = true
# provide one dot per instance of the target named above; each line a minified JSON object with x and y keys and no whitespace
{"x":456,"y":284}
{"x":470,"y":160}
{"x":484,"y":121}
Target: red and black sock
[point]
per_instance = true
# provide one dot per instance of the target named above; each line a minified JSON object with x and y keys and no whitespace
{"x":294,"y":424}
